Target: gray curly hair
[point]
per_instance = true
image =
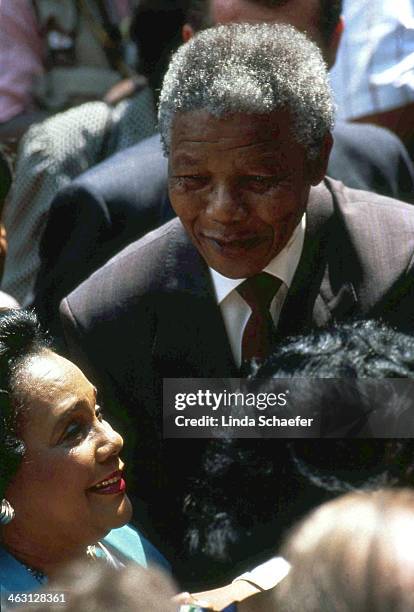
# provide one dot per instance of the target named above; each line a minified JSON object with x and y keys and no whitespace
{"x":253,"y":69}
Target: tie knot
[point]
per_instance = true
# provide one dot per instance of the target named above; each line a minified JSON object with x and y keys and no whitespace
{"x":258,"y":291}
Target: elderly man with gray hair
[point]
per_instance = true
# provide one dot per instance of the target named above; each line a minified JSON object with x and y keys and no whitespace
{"x":263,"y":247}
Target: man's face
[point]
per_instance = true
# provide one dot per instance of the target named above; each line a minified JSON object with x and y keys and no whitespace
{"x":240,"y":185}
{"x":304,"y":15}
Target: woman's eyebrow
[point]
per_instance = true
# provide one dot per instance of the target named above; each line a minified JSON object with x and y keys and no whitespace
{"x":68,"y":412}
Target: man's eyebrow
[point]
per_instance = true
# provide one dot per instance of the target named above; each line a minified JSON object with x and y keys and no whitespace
{"x":276,"y":145}
{"x":185,"y":158}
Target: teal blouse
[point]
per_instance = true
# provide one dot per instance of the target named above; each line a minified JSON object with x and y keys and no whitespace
{"x":126,"y":541}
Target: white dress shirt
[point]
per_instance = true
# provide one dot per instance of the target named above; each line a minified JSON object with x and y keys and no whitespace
{"x":234,"y":309}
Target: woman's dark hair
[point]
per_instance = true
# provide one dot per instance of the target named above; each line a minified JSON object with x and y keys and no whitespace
{"x":20,"y":339}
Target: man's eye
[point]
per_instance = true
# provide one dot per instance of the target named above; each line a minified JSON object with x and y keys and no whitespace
{"x":260,"y":181}
{"x":190,"y":181}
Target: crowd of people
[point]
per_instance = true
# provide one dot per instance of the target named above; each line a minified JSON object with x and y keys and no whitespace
{"x":185,"y":193}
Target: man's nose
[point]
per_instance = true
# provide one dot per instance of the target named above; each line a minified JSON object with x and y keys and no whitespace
{"x":110,"y":444}
{"x":225,"y":205}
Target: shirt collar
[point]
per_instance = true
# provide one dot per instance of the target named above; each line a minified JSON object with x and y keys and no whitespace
{"x":282,"y":266}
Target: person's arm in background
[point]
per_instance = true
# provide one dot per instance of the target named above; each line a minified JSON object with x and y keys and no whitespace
{"x":95,"y":217}
{"x":71,"y":249}
{"x":251,"y":591}
{"x":372,"y":158}
{"x":49,"y":156}
{"x":21,"y":52}
{"x":399,"y":120}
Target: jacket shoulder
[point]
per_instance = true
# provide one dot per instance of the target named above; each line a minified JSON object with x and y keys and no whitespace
{"x":378,"y":231}
{"x":359,"y":202}
{"x":137,"y":271}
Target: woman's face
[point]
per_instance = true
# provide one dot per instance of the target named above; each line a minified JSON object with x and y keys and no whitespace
{"x":61,"y":489}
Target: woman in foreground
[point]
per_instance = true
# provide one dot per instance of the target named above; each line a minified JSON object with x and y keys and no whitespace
{"x":62,"y":494}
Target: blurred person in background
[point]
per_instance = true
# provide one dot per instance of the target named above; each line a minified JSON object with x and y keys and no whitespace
{"x":373,"y":78}
{"x":56,"y":150}
{"x":58,"y":54}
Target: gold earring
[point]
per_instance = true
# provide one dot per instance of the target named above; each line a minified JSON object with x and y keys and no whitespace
{"x":6,"y":512}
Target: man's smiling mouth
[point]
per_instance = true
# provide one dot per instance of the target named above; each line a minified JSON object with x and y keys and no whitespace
{"x":233,"y":243}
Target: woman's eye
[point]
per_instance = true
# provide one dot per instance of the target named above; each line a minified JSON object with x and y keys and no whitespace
{"x":75,"y":430}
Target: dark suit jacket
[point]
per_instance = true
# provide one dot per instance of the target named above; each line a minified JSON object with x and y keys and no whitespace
{"x":126,"y":196}
{"x":150,"y":313}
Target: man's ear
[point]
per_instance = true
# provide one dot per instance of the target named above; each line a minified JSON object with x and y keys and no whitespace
{"x":187,"y":32}
{"x":318,"y":166}
{"x":333,"y":44}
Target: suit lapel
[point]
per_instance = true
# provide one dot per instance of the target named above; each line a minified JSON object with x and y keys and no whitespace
{"x":319,"y":291}
{"x":191,"y":339}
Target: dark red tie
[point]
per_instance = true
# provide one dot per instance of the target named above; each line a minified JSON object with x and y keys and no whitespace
{"x":258,"y":336}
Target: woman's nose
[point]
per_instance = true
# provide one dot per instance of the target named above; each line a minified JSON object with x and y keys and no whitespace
{"x":110,"y":444}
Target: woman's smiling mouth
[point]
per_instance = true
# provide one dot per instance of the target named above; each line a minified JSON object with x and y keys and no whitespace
{"x":111,"y":485}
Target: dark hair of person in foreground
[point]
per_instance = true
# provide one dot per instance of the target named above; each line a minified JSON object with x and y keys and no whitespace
{"x":354,"y":554}
{"x":250,"y":491}
{"x":358,"y":349}
{"x":356,"y":379}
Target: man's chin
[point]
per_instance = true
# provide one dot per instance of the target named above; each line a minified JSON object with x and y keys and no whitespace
{"x":235,"y":262}
{"x":229,"y":270}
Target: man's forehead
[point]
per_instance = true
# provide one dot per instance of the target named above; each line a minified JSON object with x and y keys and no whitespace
{"x":302,"y":14}
{"x":201,"y":126}
{"x":252,"y":139}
